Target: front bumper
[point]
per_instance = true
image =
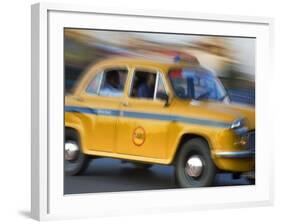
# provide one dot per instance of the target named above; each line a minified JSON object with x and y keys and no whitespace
{"x":234,"y":161}
{"x":235,"y":154}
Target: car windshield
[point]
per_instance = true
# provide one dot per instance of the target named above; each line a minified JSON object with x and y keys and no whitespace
{"x":196,"y":83}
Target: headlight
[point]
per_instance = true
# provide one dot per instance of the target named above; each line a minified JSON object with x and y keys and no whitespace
{"x":239,"y":127}
{"x":241,"y":130}
{"x":238,"y":124}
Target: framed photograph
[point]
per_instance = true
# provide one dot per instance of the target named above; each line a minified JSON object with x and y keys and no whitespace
{"x":148,"y":111}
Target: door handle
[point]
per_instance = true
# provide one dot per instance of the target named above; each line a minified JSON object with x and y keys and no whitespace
{"x":125,"y":104}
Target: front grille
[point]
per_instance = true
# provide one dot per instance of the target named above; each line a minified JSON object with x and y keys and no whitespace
{"x":252,"y":140}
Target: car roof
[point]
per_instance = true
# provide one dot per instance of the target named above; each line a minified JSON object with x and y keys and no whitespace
{"x":163,"y":63}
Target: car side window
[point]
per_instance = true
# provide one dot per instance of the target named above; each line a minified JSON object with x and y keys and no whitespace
{"x":143,"y":84}
{"x":110,"y":82}
{"x":94,"y":85}
{"x":113,"y":82}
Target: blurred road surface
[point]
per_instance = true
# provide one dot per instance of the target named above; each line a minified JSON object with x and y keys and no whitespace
{"x":110,"y":175}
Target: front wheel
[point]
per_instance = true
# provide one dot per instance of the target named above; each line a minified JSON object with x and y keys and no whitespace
{"x":194,"y":165}
{"x":74,"y":160}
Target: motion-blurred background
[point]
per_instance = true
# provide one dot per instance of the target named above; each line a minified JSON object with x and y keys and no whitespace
{"x":231,"y":58}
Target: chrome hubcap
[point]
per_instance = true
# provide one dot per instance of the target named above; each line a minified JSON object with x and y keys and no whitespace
{"x":194,"y":166}
{"x":71,"y":150}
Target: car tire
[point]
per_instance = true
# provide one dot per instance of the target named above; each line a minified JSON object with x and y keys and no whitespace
{"x":76,"y":162}
{"x":194,"y":165}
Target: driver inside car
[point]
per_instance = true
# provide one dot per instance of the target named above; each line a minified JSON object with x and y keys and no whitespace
{"x":111,"y":85}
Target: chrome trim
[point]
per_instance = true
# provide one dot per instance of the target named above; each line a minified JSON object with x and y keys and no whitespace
{"x":238,"y":123}
{"x":156,"y":86}
{"x":235,"y":154}
{"x":71,"y":150}
{"x":194,"y":166}
{"x":131,"y":80}
{"x":100,"y":82}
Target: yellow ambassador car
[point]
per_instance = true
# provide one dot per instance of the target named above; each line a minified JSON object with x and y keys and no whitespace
{"x":149,"y":112}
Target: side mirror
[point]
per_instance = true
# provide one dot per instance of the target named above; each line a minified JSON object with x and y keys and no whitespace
{"x":164,"y":97}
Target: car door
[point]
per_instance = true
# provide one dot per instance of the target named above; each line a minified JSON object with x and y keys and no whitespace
{"x":142,"y":127}
{"x":103,"y":102}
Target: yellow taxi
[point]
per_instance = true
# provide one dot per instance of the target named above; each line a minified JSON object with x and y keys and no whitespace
{"x":153,"y":112}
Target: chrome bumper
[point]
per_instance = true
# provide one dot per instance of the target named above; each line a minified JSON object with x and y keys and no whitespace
{"x":235,"y":154}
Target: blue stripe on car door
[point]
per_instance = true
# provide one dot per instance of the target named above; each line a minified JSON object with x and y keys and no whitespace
{"x":163,"y":117}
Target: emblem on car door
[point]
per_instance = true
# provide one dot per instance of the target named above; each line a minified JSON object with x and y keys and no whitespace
{"x":138,"y":136}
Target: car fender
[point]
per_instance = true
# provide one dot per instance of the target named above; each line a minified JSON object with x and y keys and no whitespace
{"x":73,"y":121}
{"x":185,"y":135}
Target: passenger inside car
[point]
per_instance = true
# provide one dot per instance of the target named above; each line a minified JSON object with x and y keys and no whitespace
{"x":144,"y":85}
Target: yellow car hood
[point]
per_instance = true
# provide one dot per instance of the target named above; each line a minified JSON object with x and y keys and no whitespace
{"x":216,"y":111}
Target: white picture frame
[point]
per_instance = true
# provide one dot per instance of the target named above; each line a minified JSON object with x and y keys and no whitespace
{"x":48,"y":200}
